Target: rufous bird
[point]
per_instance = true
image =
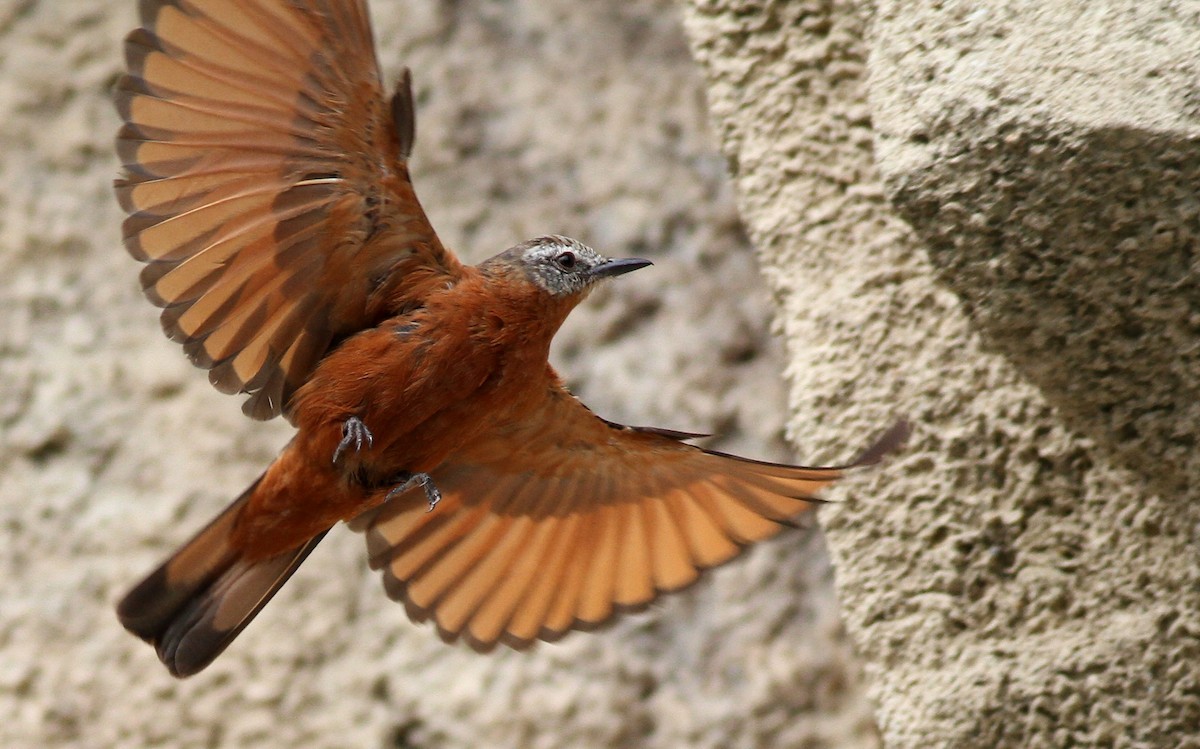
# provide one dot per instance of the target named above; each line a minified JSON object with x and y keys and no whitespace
{"x":268,"y":193}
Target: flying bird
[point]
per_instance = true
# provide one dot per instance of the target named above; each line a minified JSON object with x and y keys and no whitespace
{"x":268,"y":194}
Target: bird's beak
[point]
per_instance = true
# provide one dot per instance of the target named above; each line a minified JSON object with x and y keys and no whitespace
{"x":619,"y":267}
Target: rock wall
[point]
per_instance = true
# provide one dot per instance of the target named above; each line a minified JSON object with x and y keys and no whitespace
{"x":985,"y":216}
{"x":534,"y":116}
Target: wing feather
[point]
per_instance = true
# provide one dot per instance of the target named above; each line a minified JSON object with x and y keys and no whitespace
{"x":673,"y":565}
{"x":634,"y":580}
{"x":741,"y":523}
{"x":581,"y":520}
{"x":455,"y":563}
{"x":482,"y":579}
{"x":562,"y":615}
{"x":414,"y":559}
{"x":528,"y":621}
{"x":596,"y":602}
{"x":708,"y":543}
{"x":265,"y":183}
{"x":488,"y":622}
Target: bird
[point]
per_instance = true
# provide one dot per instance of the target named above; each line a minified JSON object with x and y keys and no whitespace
{"x":266,"y":185}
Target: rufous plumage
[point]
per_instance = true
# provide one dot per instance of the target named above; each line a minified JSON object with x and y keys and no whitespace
{"x":269,"y":197}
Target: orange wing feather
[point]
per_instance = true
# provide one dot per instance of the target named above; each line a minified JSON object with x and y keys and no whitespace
{"x":266,"y":186}
{"x":582,"y":520}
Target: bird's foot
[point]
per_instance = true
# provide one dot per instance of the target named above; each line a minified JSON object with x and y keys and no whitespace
{"x":354,"y":432}
{"x":409,"y":480}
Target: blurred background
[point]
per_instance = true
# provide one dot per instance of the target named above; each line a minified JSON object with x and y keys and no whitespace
{"x":534,"y":117}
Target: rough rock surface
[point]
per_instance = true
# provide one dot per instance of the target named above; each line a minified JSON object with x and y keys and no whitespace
{"x":534,"y":116}
{"x":1028,"y":575}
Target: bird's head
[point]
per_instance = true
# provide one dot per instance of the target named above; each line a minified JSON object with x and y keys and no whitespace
{"x":563,"y":267}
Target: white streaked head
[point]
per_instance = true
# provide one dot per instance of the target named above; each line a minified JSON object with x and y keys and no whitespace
{"x":563,"y":266}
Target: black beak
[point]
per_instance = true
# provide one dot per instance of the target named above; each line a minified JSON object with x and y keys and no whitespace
{"x":619,"y":267}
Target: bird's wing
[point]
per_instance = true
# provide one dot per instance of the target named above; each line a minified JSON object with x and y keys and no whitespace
{"x":565,"y":527}
{"x":266,"y":185}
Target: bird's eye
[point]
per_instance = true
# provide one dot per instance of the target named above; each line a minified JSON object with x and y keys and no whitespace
{"x":566,"y":260}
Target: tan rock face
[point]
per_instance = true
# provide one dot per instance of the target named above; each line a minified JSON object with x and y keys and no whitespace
{"x":1029,"y":574}
{"x":581,"y":118}
{"x":1051,"y":168}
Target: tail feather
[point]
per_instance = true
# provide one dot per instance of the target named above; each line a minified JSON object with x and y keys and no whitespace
{"x":201,"y":598}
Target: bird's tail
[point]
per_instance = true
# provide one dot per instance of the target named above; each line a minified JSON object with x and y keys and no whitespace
{"x":205,"y":594}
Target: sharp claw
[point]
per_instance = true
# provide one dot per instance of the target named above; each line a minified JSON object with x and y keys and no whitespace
{"x":432,"y":493}
{"x":356,"y":432}
{"x":409,"y":480}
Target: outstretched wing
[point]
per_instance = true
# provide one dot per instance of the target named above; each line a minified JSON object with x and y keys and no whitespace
{"x":581,"y":521}
{"x":266,"y":185}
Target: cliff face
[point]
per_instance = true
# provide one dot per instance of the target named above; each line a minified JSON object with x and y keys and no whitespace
{"x":533,"y":117}
{"x":985,"y":215}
